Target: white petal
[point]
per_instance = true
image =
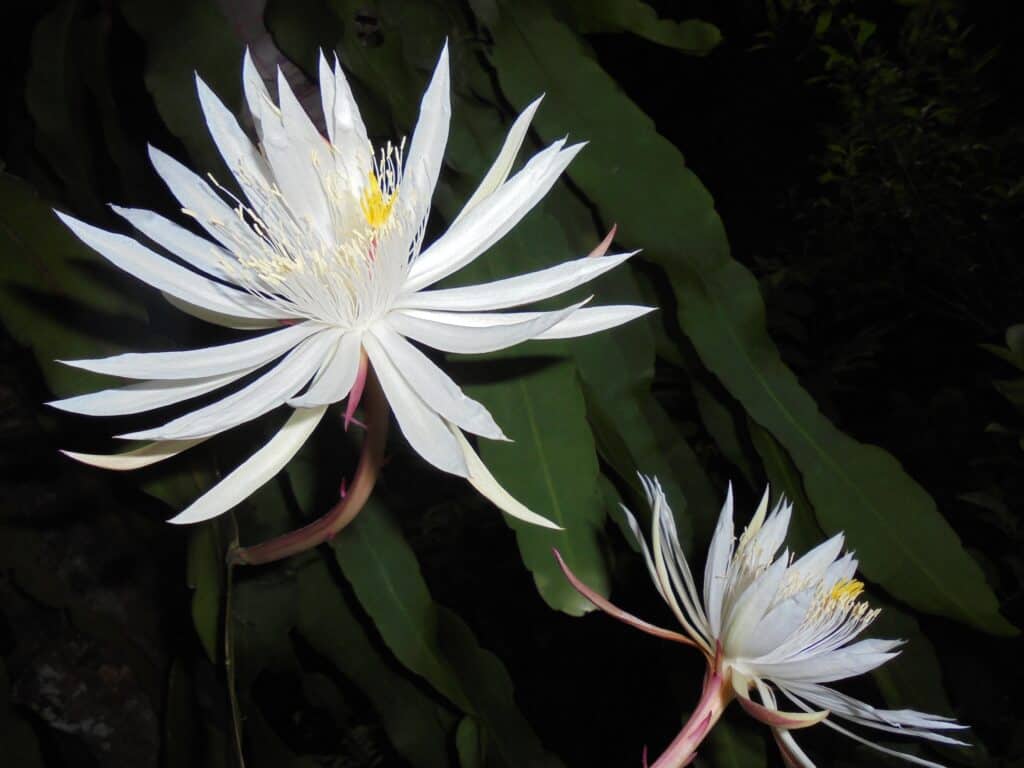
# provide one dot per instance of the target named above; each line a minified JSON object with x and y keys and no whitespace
{"x":853,"y":660}
{"x":794,"y":756}
{"x":136,"y":458}
{"x":811,"y":567}
{"x":514,"y":291}
{"x":341,"y":113}
{"x":197,"y":251}
{"x":750,"y":608}
{"x":423,"y":428}
{"x":199,"y":363}
{"x":220,"y":318}
{"x":502,"y":165}
{"x":426,"y":149}
{"x":473,"y":333}
{"x":241,"y":157}
{"x":489,"y":221}
{"x":261,"y":106}
{"x":593,"y":320}
{"x":716,"y":569}
{"x":336,"y":376}
{"x":773,"y":532}
{"x":256,"y":470}
{"x":165,"y":275}
{"x":485,"y":484}
{"x":145,"y":396}
{"x":435,"y":387}
{"x":253,"y":400}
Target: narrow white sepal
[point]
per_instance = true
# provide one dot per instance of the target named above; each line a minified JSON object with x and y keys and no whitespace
{"x":148,"y":454}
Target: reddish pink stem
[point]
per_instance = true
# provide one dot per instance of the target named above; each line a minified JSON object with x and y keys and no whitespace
{"x":713,"y":700}
{"x":355,"y":495}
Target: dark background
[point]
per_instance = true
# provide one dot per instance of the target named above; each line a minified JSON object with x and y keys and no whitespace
{"x":869,"y":173}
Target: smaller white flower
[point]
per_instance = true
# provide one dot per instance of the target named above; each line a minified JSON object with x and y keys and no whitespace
{"x":769,"y":624}
{"x":325,"y":253}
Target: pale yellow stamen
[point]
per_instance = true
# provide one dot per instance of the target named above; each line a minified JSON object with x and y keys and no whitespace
{"x":846,"y":590}
{"x":375,"y":204}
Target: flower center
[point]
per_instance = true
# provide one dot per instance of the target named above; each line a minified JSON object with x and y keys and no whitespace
{"x":376,"y":202}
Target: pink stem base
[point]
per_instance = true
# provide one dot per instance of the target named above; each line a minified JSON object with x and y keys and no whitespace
{"x":683,"y":749}
{"x":352,"y":499}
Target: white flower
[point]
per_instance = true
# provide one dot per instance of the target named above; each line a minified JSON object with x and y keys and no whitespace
{"x":770,"y":624}
{"x":326,"y":248}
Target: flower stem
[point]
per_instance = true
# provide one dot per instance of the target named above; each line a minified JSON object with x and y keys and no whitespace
{"x":713,"y":700}
{"x":345,"y":511}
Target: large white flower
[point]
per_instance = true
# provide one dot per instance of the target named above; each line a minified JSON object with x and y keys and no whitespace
{"x":326,"y":249}
{"x":768,"y":624}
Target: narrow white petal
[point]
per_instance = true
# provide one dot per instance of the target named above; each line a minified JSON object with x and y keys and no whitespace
{"x":435,"y":387}
{"x":812,"y":565}
{"x":514,"y":291}
{"x":473,"y":333}
{"x":851,"y":661}
{"x":165,"y":275}
{"x":144,"y":396}
{"x":426,"y":149}
{"x":483,"y":481}
{"x":336,"y":376}
{"x":502,"y":165}
{"x":344,"y":124}
{"x":491,"y":220}
{"x":423,"y":428}
{"x":270,"y":390}
{"x":220,"y":318}
{"x":593,"y":320}
{"x":750,"y":608}
{"x":136,"y":458}
{"x":256,"y":470}
{"x":197,"y":251}
{"x":716,"y":569}
{"x":794,"y":756}
{"x":199,"y":363}
{"x":261,"y":106}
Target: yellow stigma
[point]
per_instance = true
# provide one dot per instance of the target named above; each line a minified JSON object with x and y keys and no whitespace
{"x":376,"y":206}
{"x":846,"y":590}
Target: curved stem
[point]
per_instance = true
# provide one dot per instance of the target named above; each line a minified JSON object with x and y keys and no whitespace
{"x":345,"y":511}
{"x":713,"y":700}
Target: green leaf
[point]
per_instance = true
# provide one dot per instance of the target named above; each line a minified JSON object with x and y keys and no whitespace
{"x":204,"y":573}
{"x":638,"y":178}
{"x":602,"y":16}
{"x":429,"y":640}
{"x":719,"y":422}
{"x":57,"y":298}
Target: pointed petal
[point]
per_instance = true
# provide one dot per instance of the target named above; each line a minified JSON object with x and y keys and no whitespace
{"x":341,"y":113}
{"x":489,"y":221}
{"x":165,"y":275}
{"x":261,"y":106}
{"x":717,"y":566}
{"x":792,"y":755}
{"x":514,"y":291}
{"x":851,"y":661}
{"x":136,"y":458}
{"x":336,"y":376}
{"x":199,"y":363}
{"x":614,"y":611}
{"x":256,"y":470}
{"x":776,"y":718}
{"x":145,"y":396}
{"x":264,"y":394}
{"x":473,"y":333}
{"x":483,"y":481}
{"x":426,"y":149}
{"x":435,"y":387}
{"x":502,"y":166}
{"x":593,"y":320}
{"x":199,"y":252}
{"x":423,"y":428}
{"x":752,"y":604}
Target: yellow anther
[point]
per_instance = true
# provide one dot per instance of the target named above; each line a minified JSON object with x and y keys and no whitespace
{"x":846,"y":590}
{"x":375,"y":205}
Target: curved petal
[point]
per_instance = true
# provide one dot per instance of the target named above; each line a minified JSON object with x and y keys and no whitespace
{"x":851,"y":661}
{"x":136,"y":458}
{"x":502,"y":165}
{"x":220,"y":318}
{"x":423,"y":428}
{"x":199,"y":363}
{"x":514,"y":291}
{"x":165,"y":275}
{"x":489,"y":221}
{"x":144,"y":396}
{"x":717,"y":567}
{"x":196,"y":251}
{"x":257,"y":96}
{"x":435,"y":387}
{"x":429,"y":137}
{"x":792,"y":755}
{"x":483,"y":481}
{"x":777,"y":718}
{"x":256,"y":470}
{"x":593,"y":320}
{"x":262,"y":395}
{"x":615,"y":612}
{"x":473,"y":333}
{"x":336,"y":376}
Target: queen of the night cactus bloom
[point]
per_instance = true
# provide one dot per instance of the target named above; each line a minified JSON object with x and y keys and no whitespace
{"x":770,"y":626}
{"x":323,"y":256}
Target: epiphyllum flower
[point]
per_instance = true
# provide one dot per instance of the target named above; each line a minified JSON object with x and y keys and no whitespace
{"x":326,"y":249}
{"x":767,"y":625}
